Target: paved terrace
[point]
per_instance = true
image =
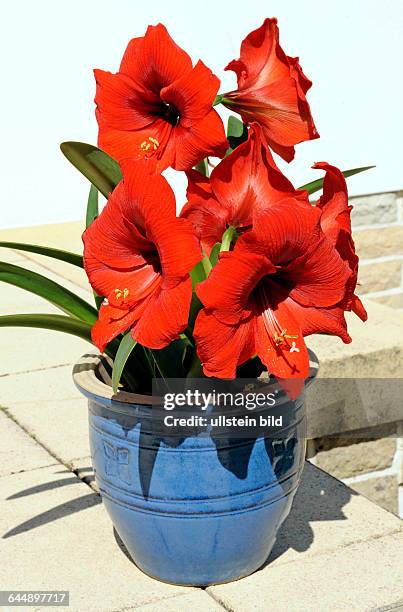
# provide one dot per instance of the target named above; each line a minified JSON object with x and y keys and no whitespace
{"x":336,"y":551}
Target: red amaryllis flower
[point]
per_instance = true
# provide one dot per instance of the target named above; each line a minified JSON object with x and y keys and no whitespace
{"x":284,"y":280}
{"x":241,"y":186}
{"x":158,"y":105}
{"x":138,"y":255}
{"x":272,"y":90}
{"x":336,"y":224}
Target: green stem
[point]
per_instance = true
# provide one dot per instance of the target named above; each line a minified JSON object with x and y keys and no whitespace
{"x":206,"y":263}
{"x":196,"y":368}
{"x":218,"y":99}
{"x":227,"y":238}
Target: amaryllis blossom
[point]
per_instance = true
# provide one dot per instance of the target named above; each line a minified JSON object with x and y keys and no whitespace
{"x":283,"y":281}
{"x":138,"y":255}
{"x":272,"y":90}
{"x":336,"y":224}
{"x":158,"y":105}
{"x":243,"y":185}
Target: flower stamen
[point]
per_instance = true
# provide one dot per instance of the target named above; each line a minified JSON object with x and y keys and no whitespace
{"x":279,"y":339}
{"x":121,"y":295}
{"x":152,"y":144}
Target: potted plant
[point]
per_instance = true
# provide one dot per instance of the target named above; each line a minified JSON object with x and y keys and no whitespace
{"x":225,"y":290}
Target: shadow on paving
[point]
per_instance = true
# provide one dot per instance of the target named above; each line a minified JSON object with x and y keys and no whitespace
{"x":53,"y":514}
{"x":319,"y":498}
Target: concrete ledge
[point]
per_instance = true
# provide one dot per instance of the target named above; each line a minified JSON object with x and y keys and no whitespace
{"x":345,"y":399}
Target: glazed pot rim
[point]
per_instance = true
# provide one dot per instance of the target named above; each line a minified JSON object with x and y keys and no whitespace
{"x":89,"y":374}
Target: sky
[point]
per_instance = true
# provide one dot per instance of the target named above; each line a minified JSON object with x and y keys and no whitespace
{"x":352,"y":51}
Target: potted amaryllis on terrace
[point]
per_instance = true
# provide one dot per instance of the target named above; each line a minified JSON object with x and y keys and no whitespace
{"x":226,"y":290}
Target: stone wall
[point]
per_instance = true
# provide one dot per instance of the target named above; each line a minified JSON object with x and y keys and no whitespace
{"x":378,"y":233}
{"x":373,"y":467}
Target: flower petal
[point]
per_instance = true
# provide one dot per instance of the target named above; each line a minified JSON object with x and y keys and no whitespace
{"x":207,"y":216}
{"x":112,"y":322}
{"x":193,"y":94}
{"x":137,"y":283}
{"x":220,"y":347}
{"x":112,"y":240}
{"x":155,"y":60}
{"x":288,"y":359}
{"x":262,"y":60}
{"x":230,"y":283}
{"x":165,"y":317}
{"x":248,"y":181}
{"x":271,"y":91}
{"x":313,"y":320}
{"x":122,"y":104}
{"x":206,"y":137}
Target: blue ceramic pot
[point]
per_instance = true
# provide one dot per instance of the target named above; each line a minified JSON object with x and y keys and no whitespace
{"x":196,"y":510}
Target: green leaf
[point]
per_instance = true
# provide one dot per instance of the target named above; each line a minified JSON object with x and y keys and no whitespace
{"x":169,"y":360}
{"x":227,"y":238}
{"x":48,"y":289}
{"x":92,"y":206}
{"x":91,"y":215}
{"x":100,"y":169}
{"x":198,"y":274}
{"x":202,"y":166}
{"x":125,"y":348}
{"x":314,"y":186}
{"x":59,"y":323}
{"x":237,"y":133}
{"x":215,"y":251}
{"x":71,"y":258}
{"x":235,"y":127}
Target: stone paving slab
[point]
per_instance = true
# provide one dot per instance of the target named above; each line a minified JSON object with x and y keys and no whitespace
{"x":16,"y":300}
{"x":198,"y":601}
{"x":19,"y":452}
{"x":57,"y":536}
{"x":359,"y":577}
{"x":51,"y":385}
{"x":376,"y":349}
{"x":47,"y":404}
{"x":37,"y":349}
{"x":11,"y":256}
{"x":326,"y":516}
{"x":62,"y":426}
{"x":65,"y":236}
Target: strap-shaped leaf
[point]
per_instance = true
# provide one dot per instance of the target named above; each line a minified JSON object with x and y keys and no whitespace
{"x":314,"y":186}
{"x":237,"y":133}
{"x":202,"y":166}
{"x":54,"y":322}
{"x":92,"y":206}
{"x":59,"y":323}
{"x":53,"y":292}
{"x":98,"y":167}
{"x":71,"y":258}
{"x":91,"y":215}
{"x":215,"y":251}
{"x":126,"y":346}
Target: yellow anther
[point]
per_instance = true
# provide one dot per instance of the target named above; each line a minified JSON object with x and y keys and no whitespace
{"x":152,"y":143}
{"x":119,"y":294}
{"x":280,"y":339}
